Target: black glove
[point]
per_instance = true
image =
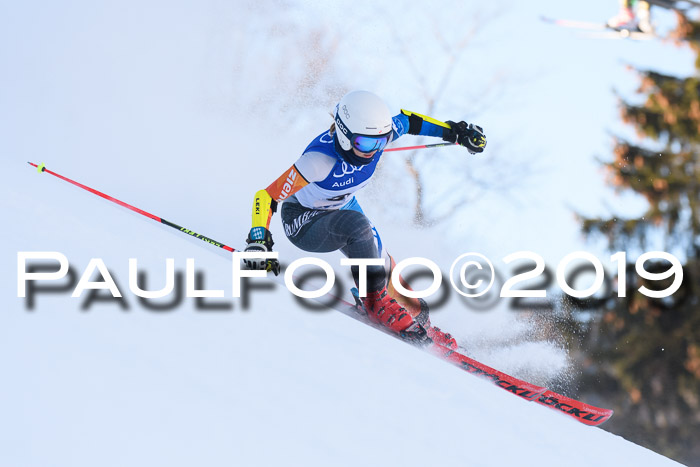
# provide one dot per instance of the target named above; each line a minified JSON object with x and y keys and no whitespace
{"x":468,"y":135}
{"x":260,"y":240}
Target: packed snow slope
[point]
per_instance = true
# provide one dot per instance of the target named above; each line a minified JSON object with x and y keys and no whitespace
{"x":273,"y":384}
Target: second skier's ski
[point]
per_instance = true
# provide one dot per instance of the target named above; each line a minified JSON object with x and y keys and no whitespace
{"x":601,"y":30}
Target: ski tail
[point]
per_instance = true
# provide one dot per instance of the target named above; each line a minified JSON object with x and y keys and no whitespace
{"x":584,"y":413}
{"x":580,"y":411}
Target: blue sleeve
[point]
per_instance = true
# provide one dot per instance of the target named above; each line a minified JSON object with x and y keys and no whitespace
{"x":401,"y":128}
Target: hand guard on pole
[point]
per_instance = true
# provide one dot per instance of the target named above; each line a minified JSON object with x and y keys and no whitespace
{"x":468,"y":135}
{"x":260,"y":240}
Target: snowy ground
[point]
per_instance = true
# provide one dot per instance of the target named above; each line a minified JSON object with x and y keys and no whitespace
{"x":272,"y":385}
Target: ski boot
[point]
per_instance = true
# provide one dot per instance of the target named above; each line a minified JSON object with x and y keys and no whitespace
{"x":384,"y":310}
{"x":644,"y":24}
{"x":445,"y":339}
{"x":624,"y":20}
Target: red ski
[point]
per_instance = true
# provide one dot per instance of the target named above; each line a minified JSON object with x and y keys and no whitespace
{"x":584,"y":413}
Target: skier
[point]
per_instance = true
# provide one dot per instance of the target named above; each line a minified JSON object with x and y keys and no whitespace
{"x":320,"y":212}
{"x":626,"y":19}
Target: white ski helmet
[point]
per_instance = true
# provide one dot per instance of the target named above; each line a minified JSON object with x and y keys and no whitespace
{"x":361,"y":113}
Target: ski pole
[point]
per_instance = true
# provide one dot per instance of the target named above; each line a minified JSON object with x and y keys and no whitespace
{"x":423,"y":146}
{"x":40,"y":168}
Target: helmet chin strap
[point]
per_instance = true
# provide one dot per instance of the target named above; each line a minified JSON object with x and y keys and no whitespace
{"x":349,"y":156}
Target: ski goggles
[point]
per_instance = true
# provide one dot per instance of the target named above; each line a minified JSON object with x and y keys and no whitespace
{"x":367,"y":144}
